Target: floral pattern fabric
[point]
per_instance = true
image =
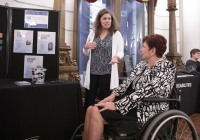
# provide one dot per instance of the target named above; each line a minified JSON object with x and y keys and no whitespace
{"x":101,"y":56}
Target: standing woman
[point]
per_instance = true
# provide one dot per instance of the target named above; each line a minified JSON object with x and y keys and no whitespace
{"x":104,"y":46}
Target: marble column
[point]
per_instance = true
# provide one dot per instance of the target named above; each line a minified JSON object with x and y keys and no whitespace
{"x":60,"y":6}
{"x":75,"y":31}
{"x":68,"y":68}
{"x":117,"y":10}
{"x":173,"y":55}
{"x":151,"y":11}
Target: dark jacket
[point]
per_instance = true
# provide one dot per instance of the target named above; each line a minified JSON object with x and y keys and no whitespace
{"x":193,"y":67}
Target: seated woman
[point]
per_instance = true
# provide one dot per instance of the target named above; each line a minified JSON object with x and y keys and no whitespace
{"x":152,"y":77}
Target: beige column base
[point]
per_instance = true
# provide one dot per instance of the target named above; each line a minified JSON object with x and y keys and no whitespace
{"x":69,"y":73}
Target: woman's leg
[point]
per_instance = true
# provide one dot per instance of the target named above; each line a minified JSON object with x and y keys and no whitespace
{"x":94,"y":124}
{"x":90,"y":95}
{"x":87,"y":123}
{"x":104,"y":86}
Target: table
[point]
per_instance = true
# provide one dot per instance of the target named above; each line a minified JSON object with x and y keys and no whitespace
{"x":190,"y":95}
{"x":50,"y":111}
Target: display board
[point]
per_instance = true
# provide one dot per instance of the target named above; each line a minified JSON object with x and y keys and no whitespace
{"x":3,"y":35}
{"x":34,"y":42}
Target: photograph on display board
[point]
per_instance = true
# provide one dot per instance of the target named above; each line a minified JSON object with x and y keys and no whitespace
{"x":36,"y":19}
{"x":46,"y":42}
{"x":23,"y":41}
{"x":31,"y":62}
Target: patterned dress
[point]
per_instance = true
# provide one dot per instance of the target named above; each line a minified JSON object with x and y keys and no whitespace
{"x":156,"y":81}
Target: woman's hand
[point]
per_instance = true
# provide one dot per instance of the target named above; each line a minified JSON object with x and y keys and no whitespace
{"x":106,"y":106}
{"x":114,"y":60}
{"x":107,"y":103}
{"x":110,"y":98}
{"x":90,"y":45}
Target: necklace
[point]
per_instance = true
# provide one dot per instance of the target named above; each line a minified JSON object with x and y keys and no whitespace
{"x":101,"y":42}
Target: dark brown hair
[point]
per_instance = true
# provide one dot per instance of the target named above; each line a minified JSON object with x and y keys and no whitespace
{"x":156,"y":41}
{"x":97,"y":23}
{"x":193,"y":51}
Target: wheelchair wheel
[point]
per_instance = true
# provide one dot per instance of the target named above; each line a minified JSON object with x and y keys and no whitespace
{"x":77,"y":133}
{"x":171,"y":125}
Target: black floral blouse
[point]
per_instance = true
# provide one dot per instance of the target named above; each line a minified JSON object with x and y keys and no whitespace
{"x":101,"y":56}
{"x":156,"y":81}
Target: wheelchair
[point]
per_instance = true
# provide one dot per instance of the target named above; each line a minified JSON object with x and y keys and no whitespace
{"x":172,"y":124}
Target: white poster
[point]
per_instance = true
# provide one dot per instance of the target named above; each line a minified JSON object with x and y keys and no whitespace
{"x":36,"y":19}
{"x":31,"y":61}
{"x":46,"y":42}
{"x":23,"y":41}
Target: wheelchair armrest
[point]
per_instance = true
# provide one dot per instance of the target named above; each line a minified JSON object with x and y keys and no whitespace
{"x":161,"y":100}
{"x":174,"y":102}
